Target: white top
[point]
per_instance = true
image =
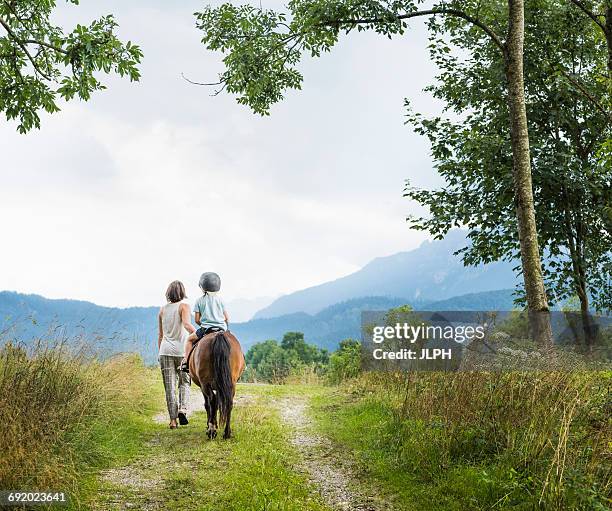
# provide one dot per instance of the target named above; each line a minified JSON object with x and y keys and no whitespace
{"x":174,"y":333}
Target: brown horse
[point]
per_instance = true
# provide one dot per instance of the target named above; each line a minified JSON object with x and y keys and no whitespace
{"x":215,"y":365}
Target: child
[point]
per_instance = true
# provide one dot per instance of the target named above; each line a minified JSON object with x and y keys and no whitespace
{"x":210,"y":312}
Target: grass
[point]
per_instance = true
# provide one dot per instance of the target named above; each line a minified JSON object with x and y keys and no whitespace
{"x":64,"y":416}
{"x":478,"y":440}
{"x":70,"y":423}
{"x":436,"y":441}
{"x":252,"y":471}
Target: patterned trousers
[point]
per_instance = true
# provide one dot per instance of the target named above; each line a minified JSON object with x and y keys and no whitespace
{"x":171,"y":373}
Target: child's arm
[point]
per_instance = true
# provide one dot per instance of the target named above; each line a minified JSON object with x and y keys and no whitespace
{"x":226,"y":316}
{"x":196,"y":311}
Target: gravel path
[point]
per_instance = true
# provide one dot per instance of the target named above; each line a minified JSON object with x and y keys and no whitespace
{"x":333,"y":476}
{"x":137,"y":486}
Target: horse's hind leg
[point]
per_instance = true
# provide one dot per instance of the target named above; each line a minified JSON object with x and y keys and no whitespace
{"x":207,"y":407}
{"x":212,"y":420}
{"x":206,"y":404}
{"x":227,"y":433}
{"x":228,"y":429}
{"x":211,"y":412}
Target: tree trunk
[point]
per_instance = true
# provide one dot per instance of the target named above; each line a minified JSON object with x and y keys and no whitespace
{"x":588,"y":328}
{"x":587,"y":325}
{"x":608,"y":33}
{"x":575,"y":244}
{"x":539,"y":314}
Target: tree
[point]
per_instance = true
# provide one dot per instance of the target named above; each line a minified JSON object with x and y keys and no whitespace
{"x":568,"y":128}
{"x":262,"y":49}
{"x":270,"y":362}
{"x":307,"y":353}
{"x":293,"y":341}
{"x":38,"y":61}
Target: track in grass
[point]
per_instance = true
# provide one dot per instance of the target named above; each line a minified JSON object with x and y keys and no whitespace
{"x":182,"y":470}
{"x":332,"y":474}
{"x":276,"y":461}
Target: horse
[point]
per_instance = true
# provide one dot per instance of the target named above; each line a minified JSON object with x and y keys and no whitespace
{"x":215,"y":365}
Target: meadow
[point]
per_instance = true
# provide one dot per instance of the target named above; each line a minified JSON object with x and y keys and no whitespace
{"x":441,"y":441}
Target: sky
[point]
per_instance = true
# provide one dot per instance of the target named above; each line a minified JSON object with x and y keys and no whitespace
{"x":159,"y":180}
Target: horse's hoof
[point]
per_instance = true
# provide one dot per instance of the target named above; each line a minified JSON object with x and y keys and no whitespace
{"x":227,"y":436}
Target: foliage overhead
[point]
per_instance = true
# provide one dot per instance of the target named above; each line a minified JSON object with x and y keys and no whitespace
{"x":39,"y":61}
{"x":263,"y":47}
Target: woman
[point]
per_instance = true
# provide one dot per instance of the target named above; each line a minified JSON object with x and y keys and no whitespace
{"x":174,"y":324}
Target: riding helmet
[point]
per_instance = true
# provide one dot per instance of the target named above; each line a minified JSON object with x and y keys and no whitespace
{"x":210,"y":281}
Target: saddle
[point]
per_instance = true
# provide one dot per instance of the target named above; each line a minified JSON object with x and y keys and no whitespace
{"x":204,"y":332}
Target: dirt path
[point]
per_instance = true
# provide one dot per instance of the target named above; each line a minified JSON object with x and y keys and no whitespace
{"x":333,"y":475}
{"x":141,"y":484}
{"x":257,"y":469}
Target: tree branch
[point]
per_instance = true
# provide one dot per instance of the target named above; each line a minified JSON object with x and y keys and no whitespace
{"x":587,"y":94}
{"x":24,"y":48}
{"x":431,"y":12}
{"x":200,"y":83}
{"x":46,"y":45}
{"x":589,"y":13}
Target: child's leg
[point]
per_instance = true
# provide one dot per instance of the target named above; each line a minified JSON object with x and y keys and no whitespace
{"x":188,"y":345}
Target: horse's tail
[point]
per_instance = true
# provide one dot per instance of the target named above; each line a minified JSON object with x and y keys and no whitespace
{"x":222,"y":375}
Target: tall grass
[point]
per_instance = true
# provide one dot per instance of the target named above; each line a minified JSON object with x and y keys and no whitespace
{"x":503,"y":440}
{"x":61,"y":412}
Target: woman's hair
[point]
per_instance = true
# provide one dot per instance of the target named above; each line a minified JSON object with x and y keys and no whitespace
{"x":175,"y":292}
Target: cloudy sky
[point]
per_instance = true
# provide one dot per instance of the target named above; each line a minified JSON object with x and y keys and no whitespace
{"x":158,"y":180}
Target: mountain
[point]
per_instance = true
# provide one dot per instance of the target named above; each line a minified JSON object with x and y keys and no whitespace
{"x":108,"y":330}
{"x":428,"y":278}
{"x":428,"y":273}
{"x":325,"y":329}
{"x":343,"y":320}
{"x":500,"y":300}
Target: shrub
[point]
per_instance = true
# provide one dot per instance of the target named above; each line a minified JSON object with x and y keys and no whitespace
{"x":55,"y":404}
{"x":345,"y":362}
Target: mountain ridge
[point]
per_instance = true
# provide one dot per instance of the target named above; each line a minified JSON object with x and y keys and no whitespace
{"x":112,"y":330}
{"x":429,"y":272}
